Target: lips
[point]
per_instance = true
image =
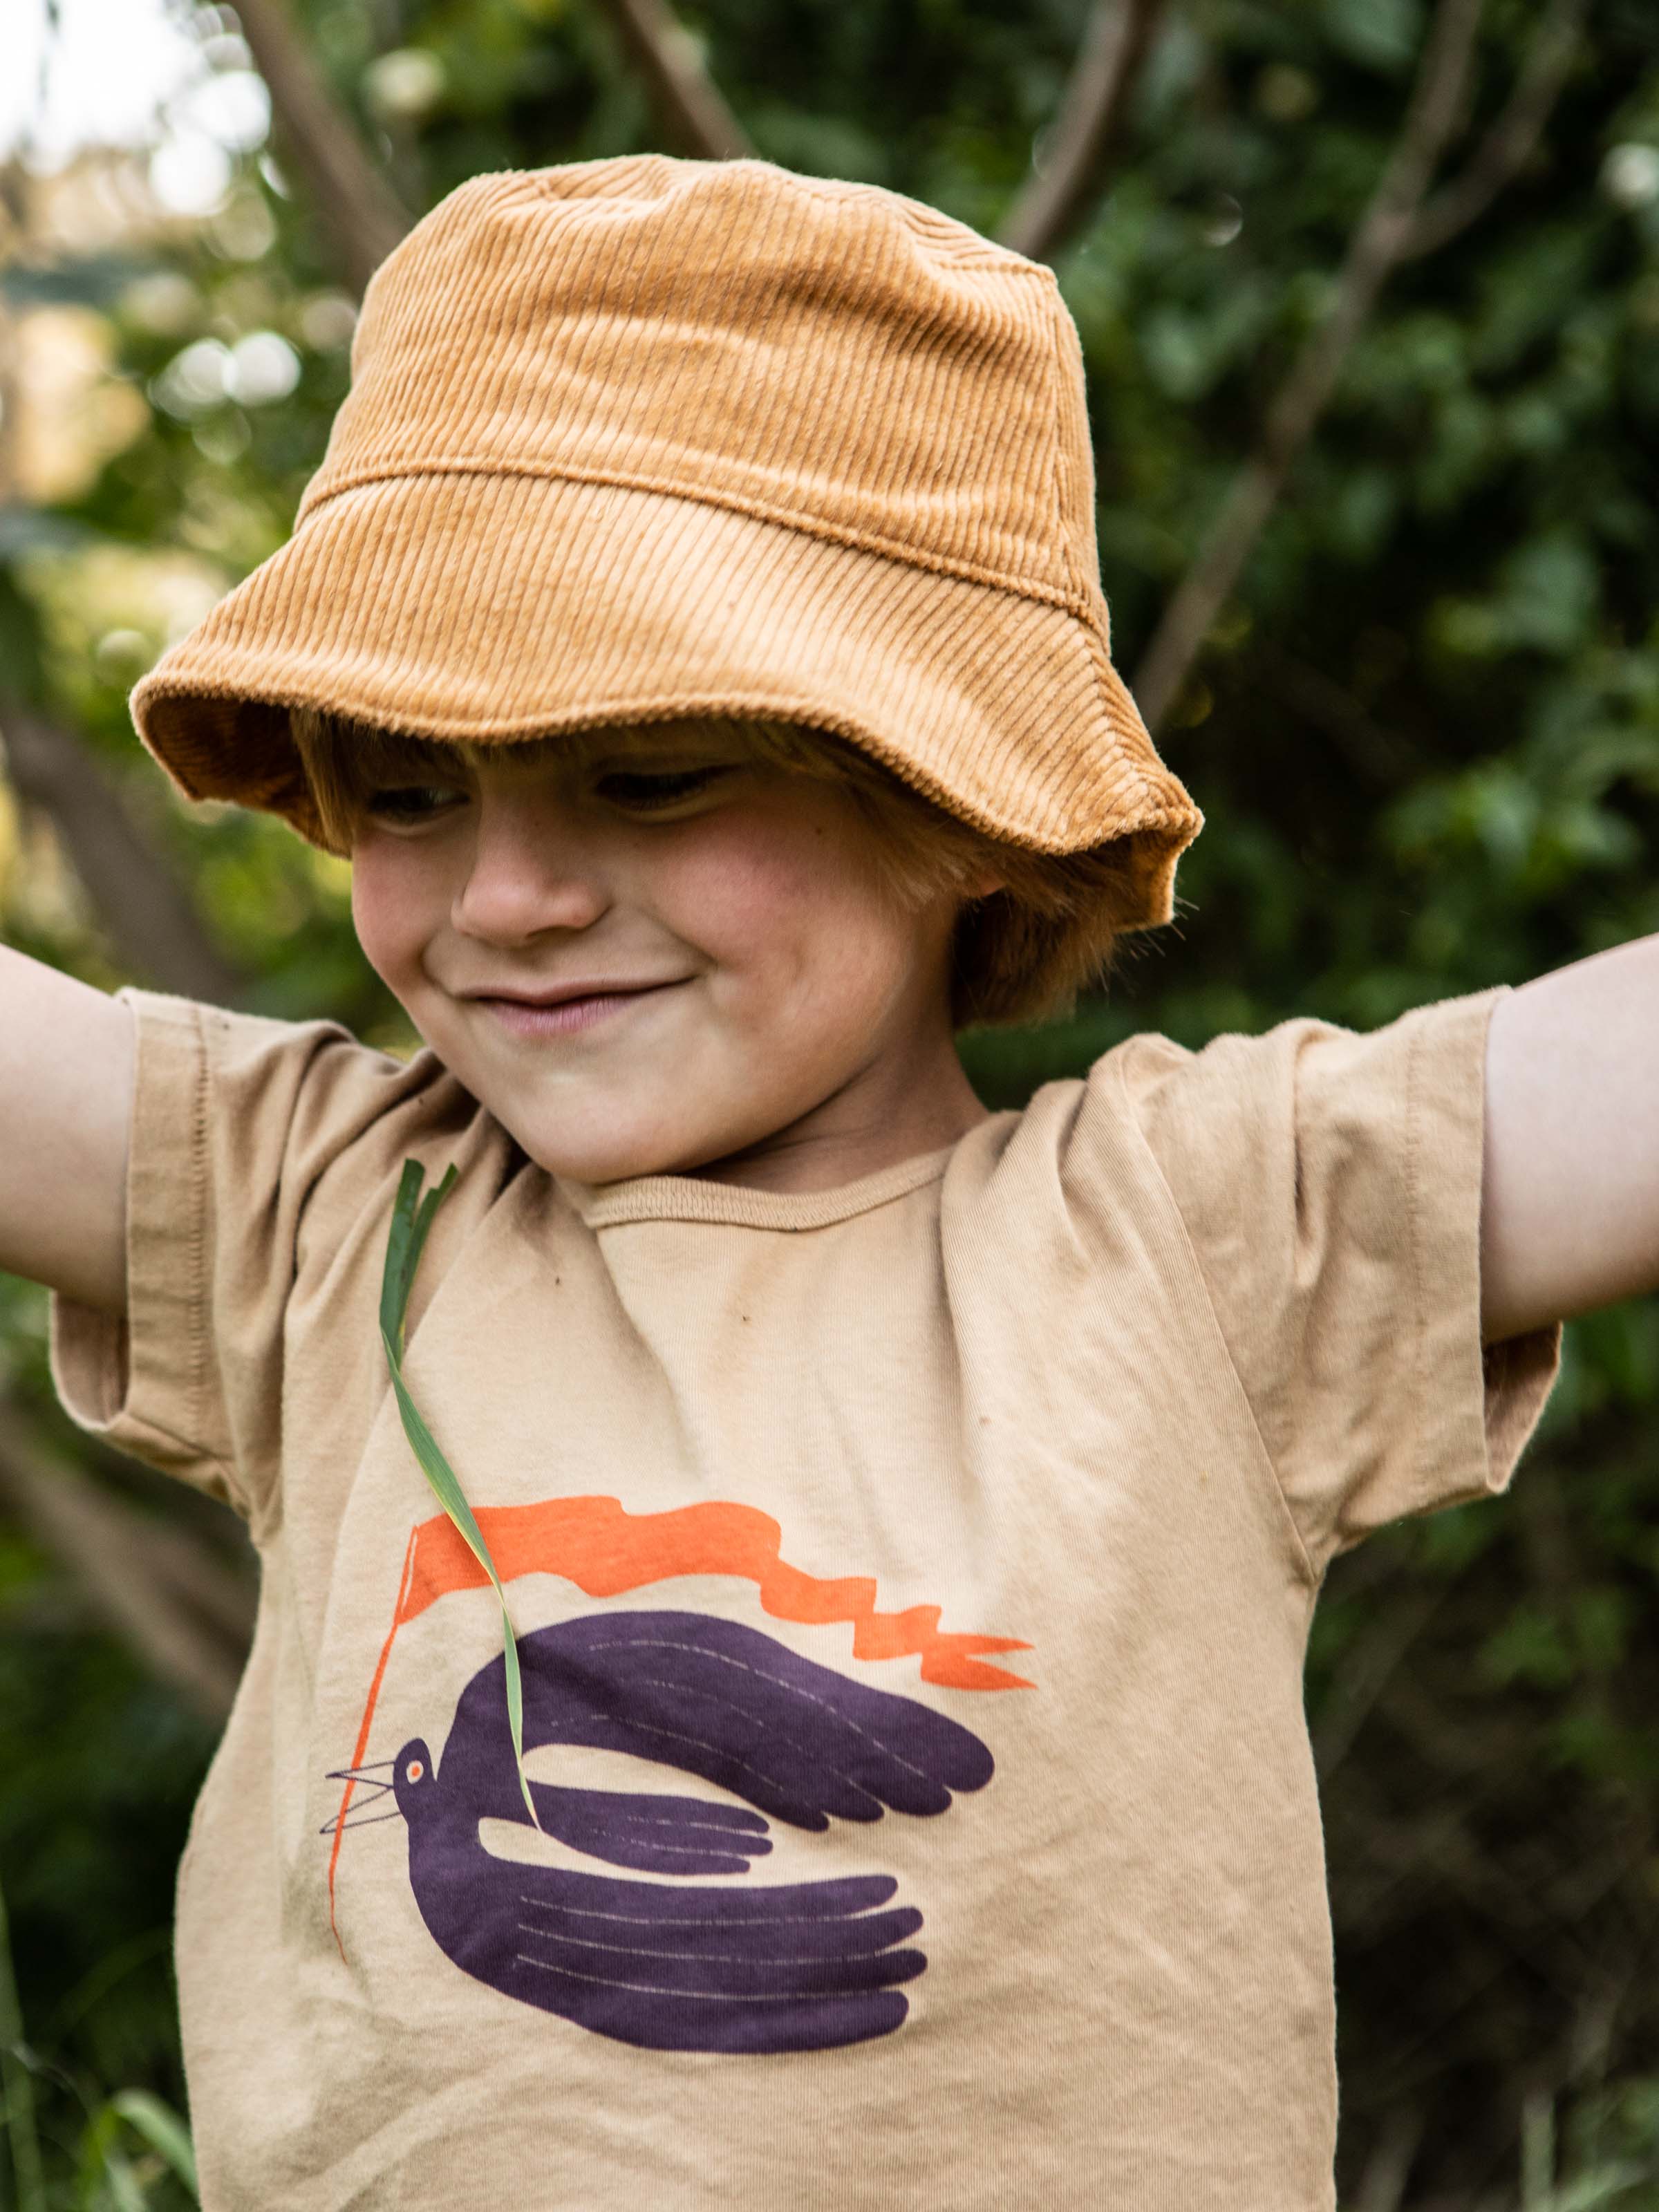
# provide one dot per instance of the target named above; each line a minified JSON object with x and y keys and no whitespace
{"x":565,"y":1009}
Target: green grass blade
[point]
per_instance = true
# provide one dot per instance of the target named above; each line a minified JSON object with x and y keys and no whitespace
{"x":412,"y":1221}
{"x":162,"y":2130}
{"x":433,"y":1465}
{"x":395,"y":1277}
{"x":122,"y":2184}
{"x":103,"y":2174}
{"x":424,"y":1216}
{"x":17,"y":2083}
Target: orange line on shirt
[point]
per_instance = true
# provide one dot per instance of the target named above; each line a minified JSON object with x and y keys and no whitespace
{"x":605,"y":1550}
{"x":361,"y":1750}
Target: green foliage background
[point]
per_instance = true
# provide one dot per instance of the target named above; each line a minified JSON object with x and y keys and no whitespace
{"x":1425,"y":734}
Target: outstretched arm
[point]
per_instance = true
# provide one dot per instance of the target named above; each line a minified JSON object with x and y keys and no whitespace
{"x":66,"y":1058}
{"x":1570,"y":1216}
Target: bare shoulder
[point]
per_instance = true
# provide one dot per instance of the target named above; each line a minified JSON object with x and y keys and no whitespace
{"x":66,"y":1068}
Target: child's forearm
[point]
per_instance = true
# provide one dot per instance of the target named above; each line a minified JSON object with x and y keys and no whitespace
{"x":1570,"y":1210}
{"x":66,"y":1063}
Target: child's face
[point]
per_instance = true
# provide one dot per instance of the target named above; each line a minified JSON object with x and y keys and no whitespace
{"x":644,"y":950}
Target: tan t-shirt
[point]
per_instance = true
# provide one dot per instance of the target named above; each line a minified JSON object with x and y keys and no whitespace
{"x":912,"y":1583}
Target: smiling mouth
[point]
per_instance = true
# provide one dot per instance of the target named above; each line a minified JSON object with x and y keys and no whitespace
{"x":566,"y":1016}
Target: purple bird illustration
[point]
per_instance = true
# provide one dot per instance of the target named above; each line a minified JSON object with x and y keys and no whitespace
{"x":680,"y":1963}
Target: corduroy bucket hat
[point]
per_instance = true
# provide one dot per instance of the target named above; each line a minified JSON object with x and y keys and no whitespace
{"x":636,"y":440}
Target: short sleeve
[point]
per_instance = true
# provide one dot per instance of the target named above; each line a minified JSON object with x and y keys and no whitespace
{"x":245,"y":1131}
{"x":1329,"y":1184}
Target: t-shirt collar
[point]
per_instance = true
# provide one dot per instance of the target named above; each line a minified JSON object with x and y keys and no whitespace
{"x":692,"y":1198}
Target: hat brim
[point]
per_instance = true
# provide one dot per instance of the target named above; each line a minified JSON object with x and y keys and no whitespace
{"x":491,"y":607}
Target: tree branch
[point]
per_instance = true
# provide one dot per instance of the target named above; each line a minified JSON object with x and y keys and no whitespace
{"x":148,"y":916}
{"x":693,"y":110}
{"x":1510,"y":143}
{"x":186,"y":1614}
{"x":1067,"y":174}
{"x":1378,"y":244}
{"x":359,"y":211}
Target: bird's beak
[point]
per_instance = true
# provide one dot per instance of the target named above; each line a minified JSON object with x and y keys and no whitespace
{"x":374,"y":1778}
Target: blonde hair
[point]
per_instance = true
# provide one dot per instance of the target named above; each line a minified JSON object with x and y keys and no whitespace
{"x":1020,"y":952}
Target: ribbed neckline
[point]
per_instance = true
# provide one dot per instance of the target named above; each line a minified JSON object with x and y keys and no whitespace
{"x":687,"y":1198}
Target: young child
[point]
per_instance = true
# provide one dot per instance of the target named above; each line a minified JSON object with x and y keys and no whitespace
{"x":909,"y":1516}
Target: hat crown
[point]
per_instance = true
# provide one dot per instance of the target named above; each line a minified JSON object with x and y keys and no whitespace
{"x":830,"y":356}
{"x":640,"y":439}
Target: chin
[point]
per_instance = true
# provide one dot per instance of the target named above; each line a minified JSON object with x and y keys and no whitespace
{"x":635,"y":1123}
{"x":610,"y":1155}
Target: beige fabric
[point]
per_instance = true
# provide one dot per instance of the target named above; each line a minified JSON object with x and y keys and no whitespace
{"x":639,"y":437}
{"x":1084,"y":1405}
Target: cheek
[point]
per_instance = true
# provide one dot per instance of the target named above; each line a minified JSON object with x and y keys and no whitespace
{"x":771,"y":889}
{"x":395,"y":905}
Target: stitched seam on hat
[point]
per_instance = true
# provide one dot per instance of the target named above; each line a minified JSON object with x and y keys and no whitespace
{"x":1072,"y":601}
{"x":1058,"y":482}
{"x":1106,"y":672}
{"x":1057,"y":490}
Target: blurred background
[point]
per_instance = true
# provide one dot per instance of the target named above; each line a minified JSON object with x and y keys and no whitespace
{"x":1368,"y":295}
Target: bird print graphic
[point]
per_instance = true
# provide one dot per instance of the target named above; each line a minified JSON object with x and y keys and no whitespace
{"x":674,"y":1941}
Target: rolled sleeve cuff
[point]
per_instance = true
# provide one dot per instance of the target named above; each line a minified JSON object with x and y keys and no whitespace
{"x":1477,"y":1405}
{"x":144,"y":1383}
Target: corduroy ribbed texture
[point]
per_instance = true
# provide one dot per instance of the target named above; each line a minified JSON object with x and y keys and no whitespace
{"x":637,"y":439}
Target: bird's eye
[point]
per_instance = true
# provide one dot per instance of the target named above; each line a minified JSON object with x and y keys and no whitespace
{"x":414,"y":1770}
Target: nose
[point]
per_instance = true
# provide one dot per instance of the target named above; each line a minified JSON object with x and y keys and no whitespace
{"x":532,"y":870}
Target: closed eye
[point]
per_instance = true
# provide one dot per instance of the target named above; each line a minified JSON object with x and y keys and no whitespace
{"x":411,"y":802}
{"x":644,"y":792}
